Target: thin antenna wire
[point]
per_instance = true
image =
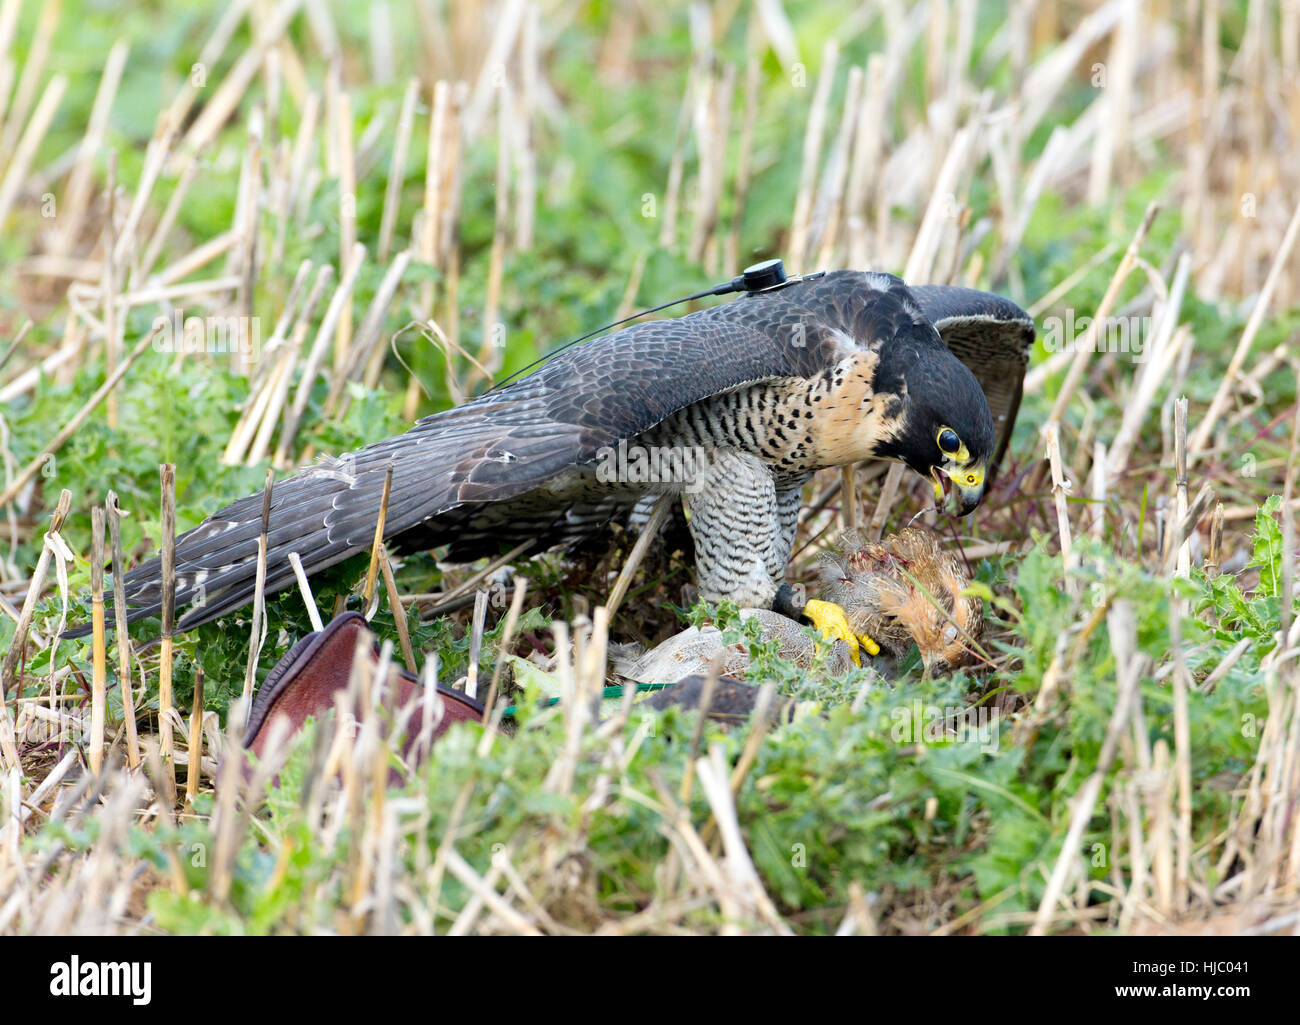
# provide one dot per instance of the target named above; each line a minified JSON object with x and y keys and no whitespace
{"x":734,"y":285}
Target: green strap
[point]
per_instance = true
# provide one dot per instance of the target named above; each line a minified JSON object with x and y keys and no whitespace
{"x":609,"y":692}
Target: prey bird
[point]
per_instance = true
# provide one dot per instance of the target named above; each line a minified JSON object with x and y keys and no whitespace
{"x":766,"y":389}
{"x":900,"y":591}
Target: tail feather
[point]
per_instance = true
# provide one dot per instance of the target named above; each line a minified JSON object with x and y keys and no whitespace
{"x":481,"y":452}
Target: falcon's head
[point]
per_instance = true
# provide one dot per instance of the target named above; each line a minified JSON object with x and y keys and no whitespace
{"x":944,"y":429}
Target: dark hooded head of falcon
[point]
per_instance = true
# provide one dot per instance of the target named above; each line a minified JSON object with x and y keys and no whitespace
{"x":944,"y":429}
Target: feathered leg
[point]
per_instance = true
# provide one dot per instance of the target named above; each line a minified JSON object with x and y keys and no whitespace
{"x":740,"y":550}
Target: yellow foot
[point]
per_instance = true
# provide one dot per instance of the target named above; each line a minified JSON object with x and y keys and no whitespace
{"x":833,"y":623}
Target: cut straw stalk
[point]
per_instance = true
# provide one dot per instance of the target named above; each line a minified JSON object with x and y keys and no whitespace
{"x":1087,"y":347}
{"x":676,"y":166}
{"x":448,"y":601}
{"x":9,"y":10}
{"x":155,"y":158}
{"x":740,"y":185}
{"x":397,"y":169}
{"x":196,"y":259}
{"x":1163,"y":350}
{"x":123,"y":638}
{"x":711,"y":677}
{"x":293,"y":198}
{"x":289,"y":314}
{"x":1028,"y":200}
{"x":525,"y":134}
{"x":889,"y":492}
{"x":13,"y":346}
{"x":157,"y":293}
{"x":367,"y":355}
{"x":258,"y":627}
{"x":1182,"y":681}
{"x":941,"y":208}
{"x":77,"y":192}
{"x":194,"y":743}
{"x":738,"y":864}
{"x":316,"y":356}
{"x":167,"y":481}
{"x":487,"y":894}
{"x":1129,"y":665}
{"x":711,"y":120}
{"x":269,"y":382}
{"x":221,"y":105}
{"x":9,"y":668}
{"x":347,"y":217}
{"x":477,"y":622}
{"x":1200,"y":439}
{"x":491,"y":352}
{"x":284,"y":370}
{"x":27,"y":145}
{"x":33,"y":69}
{"x":99,"y":665}
{"x":1110,"y":154}
{"x":153,"y":251}
{"x":1050,"y":75}
{"x":247,"y":215}
{"x":222,"y":32}
{"x":849,"y":496}
{"x":112,"y":339}
{"x":648,"y":534}
{"x":507,"y":636}
{"x":830,"y":201}
{"x":313,"y":612}
{"x":398,"y":610}
{"x":449,"y":199}
{"x":1289,"y":483}
{"x":495,"y":62}
{"x":427,"y":237}
{"x":373,"y":571}
{"x":812,"y":145}
{"x":1059,"y":491}
{"x":868,"y":142}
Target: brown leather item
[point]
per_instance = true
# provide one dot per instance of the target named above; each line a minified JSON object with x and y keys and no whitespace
{"x":303,"y":685}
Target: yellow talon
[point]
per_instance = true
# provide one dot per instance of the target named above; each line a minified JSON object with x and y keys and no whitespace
{"x":833,"y":623}
{"x":872,"y":648}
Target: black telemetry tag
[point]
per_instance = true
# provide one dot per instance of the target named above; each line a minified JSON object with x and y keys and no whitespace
{"x":763,"y":276}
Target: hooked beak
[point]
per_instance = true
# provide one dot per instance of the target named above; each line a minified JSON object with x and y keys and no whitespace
{"x":968,"y":496}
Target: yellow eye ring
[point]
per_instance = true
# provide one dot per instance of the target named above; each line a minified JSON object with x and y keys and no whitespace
{"x":948,"y":441}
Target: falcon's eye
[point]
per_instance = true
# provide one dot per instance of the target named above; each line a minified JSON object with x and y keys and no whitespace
{"x":948,"y":441}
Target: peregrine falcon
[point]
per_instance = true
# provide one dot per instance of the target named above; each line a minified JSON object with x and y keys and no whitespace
{"x":733,"y":407}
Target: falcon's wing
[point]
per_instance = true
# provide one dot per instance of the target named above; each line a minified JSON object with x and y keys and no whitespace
{"x":620,"y":385}
{"x":506,"y":443}
{"x":992,"y":336}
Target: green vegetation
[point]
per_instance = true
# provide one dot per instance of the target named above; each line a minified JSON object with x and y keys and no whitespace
{"x":906,"y":805}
